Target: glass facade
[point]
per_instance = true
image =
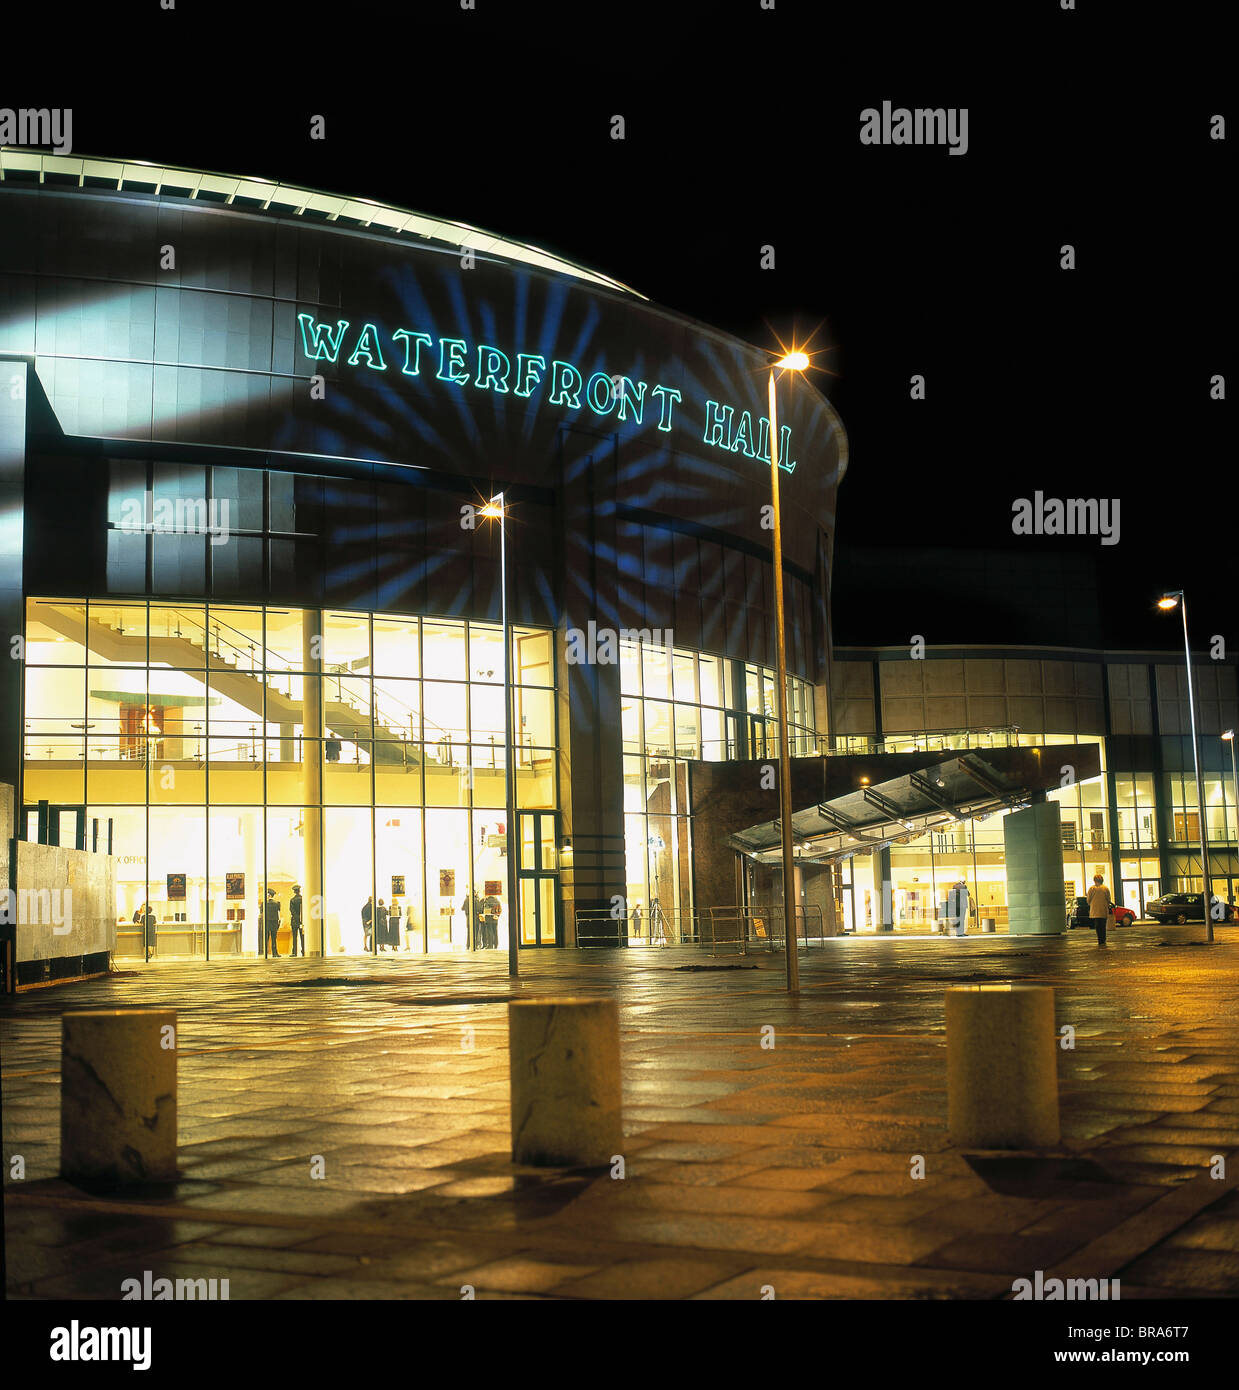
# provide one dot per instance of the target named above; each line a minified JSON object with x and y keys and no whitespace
{"x":924,"y":869}
{"x":692,"y":707}
{"x":231,"y":751}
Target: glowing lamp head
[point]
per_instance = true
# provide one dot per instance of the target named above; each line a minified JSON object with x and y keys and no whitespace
{"x":1168,"y":601}
{"x":493,"y":510}
{"x":793,"y":361}
{"x":1229,"y":735}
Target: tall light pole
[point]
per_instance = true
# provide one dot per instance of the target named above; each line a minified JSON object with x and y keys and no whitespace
{"x":1229,"y":737}
{"x":496,"y":510}
{"x":792,"y":361}
{"x":1177,"y":599}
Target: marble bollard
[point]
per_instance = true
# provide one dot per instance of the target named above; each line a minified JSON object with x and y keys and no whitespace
{"x":118,"y":1096}
{"x":1002,"y":1066}
{"x":564,"y":1060}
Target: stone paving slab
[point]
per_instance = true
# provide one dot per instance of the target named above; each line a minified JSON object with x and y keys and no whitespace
{"x":790,"y":1166}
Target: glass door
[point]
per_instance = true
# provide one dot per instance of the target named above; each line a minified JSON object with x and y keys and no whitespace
{"x":539,"y":879}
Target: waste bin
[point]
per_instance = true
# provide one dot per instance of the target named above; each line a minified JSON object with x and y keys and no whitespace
{"x":988,"y":924}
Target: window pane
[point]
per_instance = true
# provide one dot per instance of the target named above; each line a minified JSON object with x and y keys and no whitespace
{"x":55,"y":633}
{"x":396,"y":647}
{"x":443,"y":650}
{"x":346,"y":642}
{"x":533,"y":660}
{"x":485,"y":653}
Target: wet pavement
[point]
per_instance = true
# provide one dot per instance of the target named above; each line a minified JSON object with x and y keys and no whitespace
{"x":343,"y":1130}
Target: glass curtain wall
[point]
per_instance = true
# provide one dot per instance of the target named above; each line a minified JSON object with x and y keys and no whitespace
{"x":676,"y":708}
{"x":245,"y":755}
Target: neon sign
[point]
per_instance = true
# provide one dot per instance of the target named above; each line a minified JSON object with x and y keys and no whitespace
{"x":489,"y":368}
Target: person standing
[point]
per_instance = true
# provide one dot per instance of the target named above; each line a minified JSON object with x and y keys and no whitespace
{"x":294,"y":918}
{"x":380,"y":925}
{"x":1100,"y":908}
{"x":271,"y":917}
{"x":636,"y":921}
{"x":367,"y":919}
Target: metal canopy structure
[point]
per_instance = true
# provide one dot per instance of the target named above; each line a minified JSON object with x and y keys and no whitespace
{"x":967,"y":785}
{"x":284,"y":199}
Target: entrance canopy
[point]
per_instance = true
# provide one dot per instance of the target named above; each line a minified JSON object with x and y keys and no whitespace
{"x":962,"y":787}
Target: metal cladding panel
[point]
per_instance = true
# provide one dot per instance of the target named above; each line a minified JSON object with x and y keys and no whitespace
{"x":211,"y":349}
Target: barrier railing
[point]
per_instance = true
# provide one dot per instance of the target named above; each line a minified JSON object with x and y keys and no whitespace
{"x":655,"y":926}
{"x":745,"y":930}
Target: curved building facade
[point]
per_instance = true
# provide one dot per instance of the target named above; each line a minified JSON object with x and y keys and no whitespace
{"x":245,"y":438}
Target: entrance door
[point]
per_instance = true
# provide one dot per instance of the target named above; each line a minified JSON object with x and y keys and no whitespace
{"x":1137,"y":893}
{"x":538,"y":879}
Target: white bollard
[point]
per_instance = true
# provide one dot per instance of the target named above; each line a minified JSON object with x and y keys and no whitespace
{"x":564,"y":1060}
{"x":1002,"y":1066}
{"x":118,"y":1096}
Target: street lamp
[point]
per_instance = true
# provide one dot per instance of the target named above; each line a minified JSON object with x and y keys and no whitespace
{"x":793,"y":362}
{"x":495,"y":510}
{"x":1177,"y":599}
{"x":1229,"y":737}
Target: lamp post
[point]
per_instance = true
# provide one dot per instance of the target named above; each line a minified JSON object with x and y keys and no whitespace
{"x":496,"y":510}
{"x":792,"y":361}
{"x":1177,"y":599}
{"x":1229,"y":737}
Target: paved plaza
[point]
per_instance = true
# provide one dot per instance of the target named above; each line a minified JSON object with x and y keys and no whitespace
{"x":745,"y":1166}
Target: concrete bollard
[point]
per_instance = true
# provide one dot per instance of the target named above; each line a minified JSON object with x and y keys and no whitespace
{"x":118,"y":1096}
{"x":564,"y":1060}
{"x":1002,"y":1066}
{"x":989,"y":924}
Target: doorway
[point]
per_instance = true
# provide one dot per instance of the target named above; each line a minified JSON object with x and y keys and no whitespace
{"x":538,"y":879}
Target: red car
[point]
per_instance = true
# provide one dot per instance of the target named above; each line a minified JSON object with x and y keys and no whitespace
{"x":1123,"y":916}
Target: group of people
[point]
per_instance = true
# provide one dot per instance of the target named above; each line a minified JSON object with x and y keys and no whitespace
{"x":381,"y":925}
{"x":271,"y":922}
{"x":485,"y":921}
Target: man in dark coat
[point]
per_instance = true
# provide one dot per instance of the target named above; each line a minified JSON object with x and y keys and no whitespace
{"x":271,"y":918}
{"x":294,"y":918}
{"x":380,"y":918}
{"x":367,"y":918}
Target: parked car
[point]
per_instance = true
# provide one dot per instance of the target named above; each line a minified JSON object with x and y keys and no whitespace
{"x":1123,"y":916}
{"x":1183,"y":907}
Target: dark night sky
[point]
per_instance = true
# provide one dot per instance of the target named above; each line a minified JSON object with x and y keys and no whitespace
{"x":742,"y":130}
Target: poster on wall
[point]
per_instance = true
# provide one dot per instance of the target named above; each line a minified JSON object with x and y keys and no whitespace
{"x":493,"y":888}
{"x":397,"y":885}
{"x":447,"y":883}
{"x":234,"y":885}
{"x":176,"y":887}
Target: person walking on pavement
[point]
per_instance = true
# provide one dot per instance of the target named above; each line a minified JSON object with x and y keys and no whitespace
{"x":294,"y":918}
{"x":1100,"y":908}
{"x":367,"y":918}
{"x":271,"y":917}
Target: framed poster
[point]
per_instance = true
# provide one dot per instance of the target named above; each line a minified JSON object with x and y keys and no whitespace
{"x":234,"y":885}
{"x":397,"y":885}
{"x":176,"y":887}
{"x":494,"y":888}
{"x":447,"y":883}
